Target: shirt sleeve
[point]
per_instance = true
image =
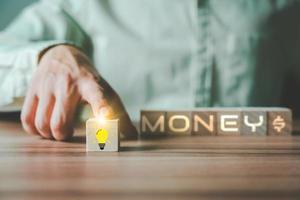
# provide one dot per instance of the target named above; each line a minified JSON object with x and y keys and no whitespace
{"x":39,"y":26}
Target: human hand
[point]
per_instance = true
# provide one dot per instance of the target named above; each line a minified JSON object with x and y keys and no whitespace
{"x":65,"y":78}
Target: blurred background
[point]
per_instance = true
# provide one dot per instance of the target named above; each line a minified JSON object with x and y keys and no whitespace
{"x":9,"y":9}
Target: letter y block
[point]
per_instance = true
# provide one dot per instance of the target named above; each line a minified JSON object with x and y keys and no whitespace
{"x":254,"y":122}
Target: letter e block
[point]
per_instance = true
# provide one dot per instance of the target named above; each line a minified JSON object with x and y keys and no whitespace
{"x":229,"y":122}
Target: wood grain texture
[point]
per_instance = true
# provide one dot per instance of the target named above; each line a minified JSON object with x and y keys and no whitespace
{"x":186,"y":167}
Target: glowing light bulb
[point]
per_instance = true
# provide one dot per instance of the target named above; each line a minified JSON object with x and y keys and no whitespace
{"x":101,"y":136}
{"x":102,"y":115}
{"x":101,"y":118}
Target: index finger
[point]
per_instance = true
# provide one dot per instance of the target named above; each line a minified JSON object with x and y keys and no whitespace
{"x":100,"y":95}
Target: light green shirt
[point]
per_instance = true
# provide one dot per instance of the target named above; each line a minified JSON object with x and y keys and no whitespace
{"x":164,"y":54}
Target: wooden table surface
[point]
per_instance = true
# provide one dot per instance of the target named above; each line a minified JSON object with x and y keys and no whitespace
{"x":167,"y":168}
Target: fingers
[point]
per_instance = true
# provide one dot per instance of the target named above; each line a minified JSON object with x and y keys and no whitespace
{"x":51,"y":102}
{"x":61,"y":123}
{"x":49,"y":112}
{"x":28,"y":113}
{"x":43,"y":114}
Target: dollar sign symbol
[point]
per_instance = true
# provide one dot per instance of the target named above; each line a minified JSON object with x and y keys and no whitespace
{"x":278,"y":123}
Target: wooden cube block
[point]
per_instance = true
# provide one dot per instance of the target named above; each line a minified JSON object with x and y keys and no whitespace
{"x":179,"y":122}
{"x":153,"y":122}
{"x":280,"y":122}
{"x":102,"y":135}
{"x":254,"y":122}
{"x":229,"y":122}
{"x":204,"y":123}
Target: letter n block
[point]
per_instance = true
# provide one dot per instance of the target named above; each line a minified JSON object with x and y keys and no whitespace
{"x":179,"y":122}
{"x":229,"y":122}
{"x":254,"y":122}
{"x":153,"y":123}
{"x":204,"y":123}
{"x":280,"y":122}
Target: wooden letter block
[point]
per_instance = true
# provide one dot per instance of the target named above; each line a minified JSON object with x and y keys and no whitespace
{"x":218,"y":121}
{"x":204,"y":123}
{"x":280,"y":122}
{"x":229,"y":122}
{"x":179,"y":123}
{"x":102,"y":135}
{"x":254,"y":122}
{"x":153,"y":122}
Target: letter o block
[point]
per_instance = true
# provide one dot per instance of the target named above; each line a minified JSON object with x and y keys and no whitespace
{"x":179,"y":123}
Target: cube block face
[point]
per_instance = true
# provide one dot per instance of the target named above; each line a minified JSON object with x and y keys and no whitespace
{"x":153,"y":123}
{"x":204,"y":123}
{"x":179,"y":123}
{"x":102,"y":136}
{"x":280,"y":122}
{"x":254,"y":123}
{"x":229,"y":122}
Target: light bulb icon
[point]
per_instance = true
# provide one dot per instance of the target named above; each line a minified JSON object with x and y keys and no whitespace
{"x":101,"y":136}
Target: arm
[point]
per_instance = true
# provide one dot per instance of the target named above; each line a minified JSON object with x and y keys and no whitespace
{"x":56,"y":76}
{"x":38,"y":27}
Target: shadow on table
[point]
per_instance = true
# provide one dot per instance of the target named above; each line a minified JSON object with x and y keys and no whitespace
{"x":10,"y":116}
{"x":139,"y":148}
{"x":81,"y":139}
{"x":78,"y":139}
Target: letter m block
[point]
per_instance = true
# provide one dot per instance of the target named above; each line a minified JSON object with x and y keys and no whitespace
{"x":152,"y":123}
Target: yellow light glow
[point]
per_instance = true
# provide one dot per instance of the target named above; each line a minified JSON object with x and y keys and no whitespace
{"x":101,"y":118}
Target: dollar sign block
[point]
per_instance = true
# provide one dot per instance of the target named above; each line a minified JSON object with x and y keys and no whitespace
{"x":280,"y":122}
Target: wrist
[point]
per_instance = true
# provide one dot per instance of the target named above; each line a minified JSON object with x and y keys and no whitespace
{"x":57,"y":47}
